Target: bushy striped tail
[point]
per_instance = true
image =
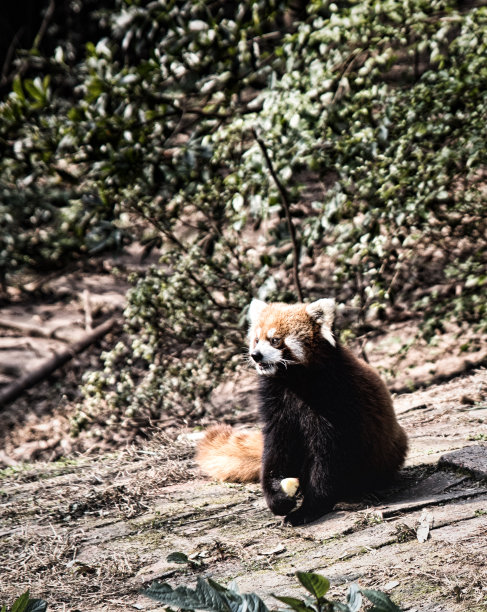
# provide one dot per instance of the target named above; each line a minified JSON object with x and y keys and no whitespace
{"x":229,"y":455}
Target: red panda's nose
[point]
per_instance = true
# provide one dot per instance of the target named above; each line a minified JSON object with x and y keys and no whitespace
{"x":257,"y":356}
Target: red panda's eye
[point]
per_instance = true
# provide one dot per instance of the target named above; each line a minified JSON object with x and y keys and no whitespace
{"x":275,"y":341}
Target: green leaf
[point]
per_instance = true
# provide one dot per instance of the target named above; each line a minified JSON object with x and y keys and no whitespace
{"x":250,"y":602}
{"x":36,"y":605}
{"x":295,"y":604}
{"x":247,"y":602}
{"x":20,"y":604}
{"x":17,"y":88}
{"x":181,"y":597}
{"x":177,"y":557}
{"x":24,"y":604}
{"x":354,"y":598}
{"x":317,"y":585}
{"x":232,"y":586}
{"x":381,"y":601}
{"x":208,"y":595}
{"x":33,"y":91}
{"x":219,"y":587}
{"x":211,"y":596}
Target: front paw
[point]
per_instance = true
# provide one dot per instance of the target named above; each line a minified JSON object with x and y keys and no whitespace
{"x":299,"y":518}
{"x":281,"y":504}
{"x":303,"y":515}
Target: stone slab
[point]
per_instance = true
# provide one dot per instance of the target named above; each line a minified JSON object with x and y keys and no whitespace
{"x":472,"y":458}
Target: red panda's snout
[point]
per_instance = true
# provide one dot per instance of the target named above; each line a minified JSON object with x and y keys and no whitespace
{"x":268,"y":353}
{"x":281,"y":335}
{"x":265,"y":357}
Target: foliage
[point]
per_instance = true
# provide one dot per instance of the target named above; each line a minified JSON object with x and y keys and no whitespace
{"x":385,"y":103}
{"x":82,"y":145}
{"x":371,"y":114}
{"x":190,"y":336}
{"x":50,"y":211}
{"x":403,"y":167}
{"x":23,"y":603}
{"x":209,"y":595}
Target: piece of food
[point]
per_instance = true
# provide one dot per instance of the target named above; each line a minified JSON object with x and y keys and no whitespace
{"x":290,"y":486}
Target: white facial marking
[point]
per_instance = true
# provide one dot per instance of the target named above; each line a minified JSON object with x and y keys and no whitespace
{"x":271,"y":356}
{"x":271,"y":333}
{"x":269,"y":353}
{"x":258,"y":331}
{"x":296,"y":348}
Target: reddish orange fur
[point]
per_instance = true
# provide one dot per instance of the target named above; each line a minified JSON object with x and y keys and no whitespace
{"x":229,"y":455}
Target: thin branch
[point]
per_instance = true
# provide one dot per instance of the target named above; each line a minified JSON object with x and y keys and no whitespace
{"x":9,"y":55}
{"x":26,"y":328}
{"x":287,"y":209}
{"x":175,"y":240}
{"x":45,"y":22}
{"x":35,"y":45}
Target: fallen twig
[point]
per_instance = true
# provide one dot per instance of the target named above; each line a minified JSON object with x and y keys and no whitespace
{"x":13,"y":391}
{"x":26,"y":328}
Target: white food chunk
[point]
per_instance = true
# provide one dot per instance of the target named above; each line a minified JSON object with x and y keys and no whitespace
{"x":290,"y":486}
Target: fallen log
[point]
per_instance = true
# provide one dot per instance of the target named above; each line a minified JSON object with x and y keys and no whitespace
{"x":26,"y":328}
{"x":14,"y":390}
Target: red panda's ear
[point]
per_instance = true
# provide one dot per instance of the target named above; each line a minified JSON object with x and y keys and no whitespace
{"x":323,"y":312}
{"x":255,"y":308}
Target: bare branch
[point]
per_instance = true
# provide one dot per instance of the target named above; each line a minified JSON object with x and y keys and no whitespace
{"x":13,"y":391}
{"x":287,"y":209}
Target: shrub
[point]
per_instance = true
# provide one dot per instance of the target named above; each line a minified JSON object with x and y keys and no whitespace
{"x":213,"y":131}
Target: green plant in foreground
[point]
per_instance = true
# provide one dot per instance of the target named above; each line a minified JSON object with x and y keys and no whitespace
{"x":211,"y":596}
{"x":25,"y":604}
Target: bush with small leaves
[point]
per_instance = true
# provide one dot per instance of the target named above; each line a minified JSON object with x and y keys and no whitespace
{"x":214,"y":130}
{"x":376,"y":124}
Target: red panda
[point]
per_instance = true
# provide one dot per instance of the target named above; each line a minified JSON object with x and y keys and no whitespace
{"x":328,"y":418}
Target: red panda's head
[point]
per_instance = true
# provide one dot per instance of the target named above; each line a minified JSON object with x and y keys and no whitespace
{"x":288,"y":334}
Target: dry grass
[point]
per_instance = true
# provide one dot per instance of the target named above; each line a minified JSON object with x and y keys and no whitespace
{"x":46,"y":511}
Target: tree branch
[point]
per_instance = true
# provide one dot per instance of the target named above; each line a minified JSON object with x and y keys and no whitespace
{"x":45,"y":22}
{"x":287,"y":209}
{"x":13,"y":391}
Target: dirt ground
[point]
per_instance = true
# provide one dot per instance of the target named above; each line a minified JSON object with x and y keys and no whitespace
{"x":88,"y":533}
{"x":86,"y":523}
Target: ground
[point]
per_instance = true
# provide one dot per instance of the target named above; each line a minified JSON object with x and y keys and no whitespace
{"x":89,"y":533}
{"x":89,"y":530}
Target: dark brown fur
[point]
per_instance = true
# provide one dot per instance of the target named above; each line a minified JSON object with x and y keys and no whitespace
{"x":328,"y":418}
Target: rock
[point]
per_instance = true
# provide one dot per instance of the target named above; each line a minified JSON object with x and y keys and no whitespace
{"x":471,"y":458}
